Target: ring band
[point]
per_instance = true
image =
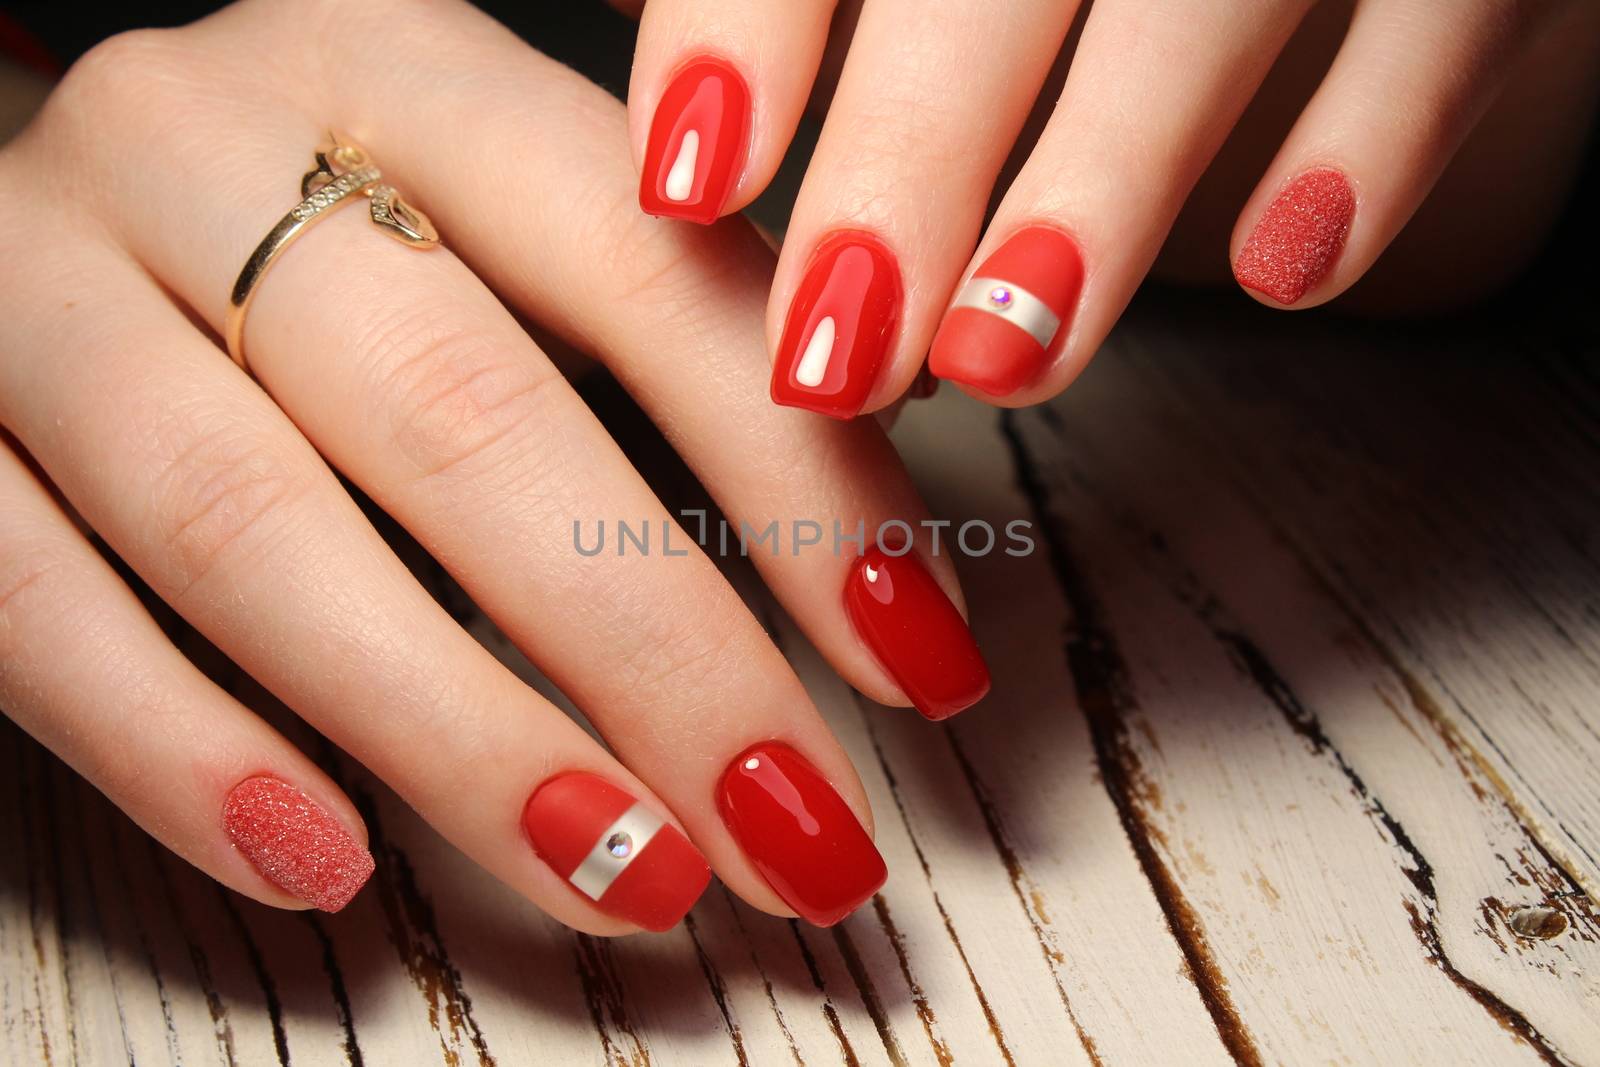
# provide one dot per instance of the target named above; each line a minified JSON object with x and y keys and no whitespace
{"x":343,"y":171}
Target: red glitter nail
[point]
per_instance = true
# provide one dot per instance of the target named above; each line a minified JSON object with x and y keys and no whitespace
{"x":1298,"y":236}
{"x":294,"y":843}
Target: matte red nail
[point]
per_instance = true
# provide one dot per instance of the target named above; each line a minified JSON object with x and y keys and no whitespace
{"x":1001,"y":332}
{"x":630,"y":862}
{"x":916,"y":633}
{"x":697,"y":142}
{"x":800,"y":834}
{"x":1298,"y":237}
{"x":840,"y":326}
{"x":295,"y":844}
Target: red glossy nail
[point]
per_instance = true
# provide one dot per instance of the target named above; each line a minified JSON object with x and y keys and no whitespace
{"x":697,"y":143}
{"x":295,"y":844}
{"x":631,"y":863}
{"x":800,"y":834}
{"x":1298,"y":237}
{"x":916,"y":633}
{"x":840,"y":326}
{"x":1002,"y":330}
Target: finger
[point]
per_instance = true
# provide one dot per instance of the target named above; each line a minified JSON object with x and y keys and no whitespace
{"x":1408,"y":84}
{"x":87,"y":672}
{"x":930,"y":101}
{"x":693,"y":301}
{"x":1148,"y":99}
{"x":206,"y":490}
{"x":717,"y":90}
{"x":689,"y":349}
{"x":412,"y":379}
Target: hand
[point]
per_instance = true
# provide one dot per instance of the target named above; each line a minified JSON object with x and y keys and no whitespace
{"x":930,"y":103}
{"x":129,"y":207}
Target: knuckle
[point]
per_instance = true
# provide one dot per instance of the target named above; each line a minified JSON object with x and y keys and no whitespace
{"x":220,"y":491}
{"x":124,"y":72}
{"x":452,"y":393}
{"x":31,"y":581}
{"x":897,"y":133}
{"x":680,"y":654}
{"x":661,"y":270}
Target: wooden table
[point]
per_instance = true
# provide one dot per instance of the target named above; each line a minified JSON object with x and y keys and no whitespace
{"x":1291,"y":758}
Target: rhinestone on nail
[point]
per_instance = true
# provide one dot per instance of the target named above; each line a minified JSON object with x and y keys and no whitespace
{"x":619,"y":844}
{"x":1000,"y":297}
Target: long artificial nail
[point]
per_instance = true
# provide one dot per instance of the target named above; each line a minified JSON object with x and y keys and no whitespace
{"x":841,"y":325}
{"x":1298,"y":237}
{"x":916,"y":633}
{"x":295,"y":844}
{"x":630,"y":862}
{"x":1001,"y":332}
{"x":697,"y":143}
{"x":799,"y":833}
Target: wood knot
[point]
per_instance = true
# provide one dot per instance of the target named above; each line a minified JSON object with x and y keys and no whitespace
{"x":1538,"y":922}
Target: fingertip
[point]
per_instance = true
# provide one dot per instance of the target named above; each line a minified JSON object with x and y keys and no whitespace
{"x":716,"y":95}
{"x":1295,"y":243}
{"x":1008,"y":323}
{"x":696,"y":147}
{"x":295,"y":843}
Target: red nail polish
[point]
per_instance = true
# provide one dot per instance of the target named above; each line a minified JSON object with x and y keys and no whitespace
{"x":697,"y":143}
{"x":800,"y":834}
{"x":840,"y":327}
{"x":1298,"y":237}
{"x":1004,"y":326}
{"x":916,"y":633}
{"x":626,"y":859}
{"x":294,"y":843}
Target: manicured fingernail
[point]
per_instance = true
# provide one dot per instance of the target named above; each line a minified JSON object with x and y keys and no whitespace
{"x":916,"y":633}
{"x":697,"y":143}
{"x":295,"y":844}
{"x":841,"y":324}
{"x":800,"y":834}
{"x":1298,"y":237}
{"x":630,"y":862}
{"x":1001,"y":332}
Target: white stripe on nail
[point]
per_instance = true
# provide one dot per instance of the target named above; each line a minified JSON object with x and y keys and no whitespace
{"x":680,"y":179}
{"x":814,"y":363}
{"x":1020,"y":308}
{"x":603,"y":865}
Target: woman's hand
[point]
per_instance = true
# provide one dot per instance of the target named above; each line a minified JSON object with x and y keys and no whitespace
{"x":129,"y":207}
{"x":877,"y":267}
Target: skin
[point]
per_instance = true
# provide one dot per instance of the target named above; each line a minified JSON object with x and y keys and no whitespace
{"x":407,"y":374}
{"x":413,"y":381}
{"x":1107,"y":121}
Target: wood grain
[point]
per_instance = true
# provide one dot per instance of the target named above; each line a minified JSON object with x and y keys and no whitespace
{"x":1291,"y":758}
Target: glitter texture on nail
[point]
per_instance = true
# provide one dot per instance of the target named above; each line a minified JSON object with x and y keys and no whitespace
{"x":294,"y":843}
{"x":1298,"y":236}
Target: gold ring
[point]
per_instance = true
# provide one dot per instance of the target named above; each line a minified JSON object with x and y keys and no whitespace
{"x":343,"y":171}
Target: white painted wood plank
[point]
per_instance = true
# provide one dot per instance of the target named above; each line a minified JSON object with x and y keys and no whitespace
{"x":1091,"y":909}
{"x":1125,"y":454}
{"x":1452,"y":495}
{"x":1273,"y":594}
{"x":34,"y":996}
{"x":472,"y":967}
{"x":1245,"y":815}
